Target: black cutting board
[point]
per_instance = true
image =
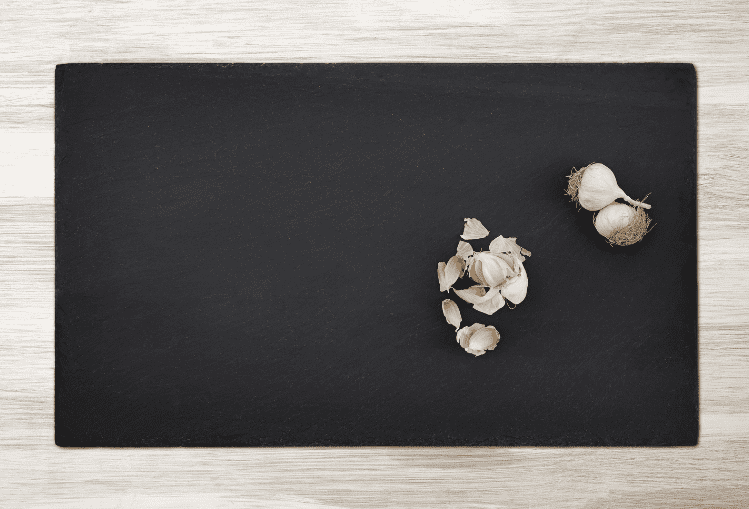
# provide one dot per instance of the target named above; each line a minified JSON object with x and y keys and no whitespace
{"x":246,"y":255}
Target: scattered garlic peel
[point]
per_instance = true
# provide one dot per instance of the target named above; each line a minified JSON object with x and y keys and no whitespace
{"x":452,"y":313}
{"x":474,"y":229}
{"x":477,"y":294}
{"x":500,"y":276}
{"x":516,"y":288}
{"x":489,"y":270}
{"x":464,"y":251}
{"x":441,"y":266}
{"x":478,"y":338}
{"x":492,"y":306}
{"x":508,"y":246}
{"x":449,"y":273}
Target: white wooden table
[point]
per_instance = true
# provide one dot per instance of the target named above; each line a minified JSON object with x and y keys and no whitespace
{"x":34,"y":36}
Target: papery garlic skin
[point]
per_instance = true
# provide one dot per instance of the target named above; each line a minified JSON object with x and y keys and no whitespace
{"x":488,"y":269}
{"x":474,"y":229}
{"x":478,"y":338}
{"x":452,"y":313}
{"x":464,"y":251}
{"x":486,"y":302}
{"x":501,"y":270}
{"x":448,"y":273}
{"x":516,"y":288}
{"x":613,"y":217}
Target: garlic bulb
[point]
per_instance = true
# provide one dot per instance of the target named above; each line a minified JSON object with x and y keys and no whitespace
{"x":452,"y":313}
{"x":594,"y":187}
{"x":478,"y":338}
{"x":613,"y":217}
{"x":621,"y":224}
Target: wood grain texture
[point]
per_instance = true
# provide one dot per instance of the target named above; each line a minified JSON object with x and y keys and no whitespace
{"x":35,"y":473}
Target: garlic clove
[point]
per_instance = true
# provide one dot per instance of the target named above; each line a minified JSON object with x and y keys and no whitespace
{"x":449,"y":273}
{"x":474,"y":229}
{"x":516,"y":288}
{"x":492,"y":306}
{"x":452,"y":313}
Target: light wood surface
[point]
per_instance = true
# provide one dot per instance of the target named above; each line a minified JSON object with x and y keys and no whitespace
{"x":714,"y":35}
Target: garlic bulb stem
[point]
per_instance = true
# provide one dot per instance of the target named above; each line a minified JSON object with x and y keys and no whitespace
{"x":635,"y":203}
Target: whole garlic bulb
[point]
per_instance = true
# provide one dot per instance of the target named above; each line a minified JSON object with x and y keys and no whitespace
{"x":613,"y":217}
{"x":621,"y":224}
{"x":594,"y":187}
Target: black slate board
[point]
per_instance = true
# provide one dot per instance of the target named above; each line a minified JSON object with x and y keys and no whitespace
{"x":246,"y":255}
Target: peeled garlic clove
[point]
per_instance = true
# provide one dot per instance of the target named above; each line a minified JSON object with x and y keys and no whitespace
{"x":595,"y":186}
{"x":450,"y":272}
{"x":621,"y":224}
{"x":452,"y":313}
{"x":474,"y":229}
{"x":492,"y":306}
{"x":477,"y":338}
{"x":516,"y":288}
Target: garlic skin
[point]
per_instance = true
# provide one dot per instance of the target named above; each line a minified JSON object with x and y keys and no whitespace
{"x":452,"y":313}
{"x":465,"y":251}
{"x":488,"y":269}
{"x":613,"y":217}
{"x":474,"y":229}
{"x":486,"y":302}
{"x":516,"y":288}
{"x":500,"y":270}
{"x":478,"y":338}
{"x":598,"y":188}
{"x":448,"y":273}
